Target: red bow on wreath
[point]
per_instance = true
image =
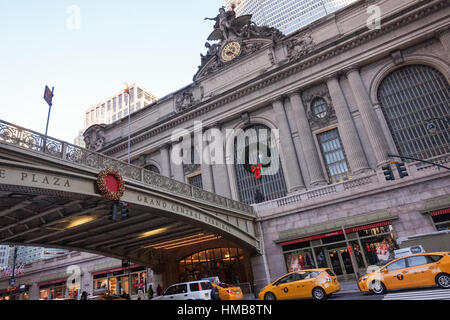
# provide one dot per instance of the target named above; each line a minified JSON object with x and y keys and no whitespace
{"x":257,"y":171}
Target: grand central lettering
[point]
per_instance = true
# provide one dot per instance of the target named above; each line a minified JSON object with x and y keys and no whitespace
{"x":173,"y":207}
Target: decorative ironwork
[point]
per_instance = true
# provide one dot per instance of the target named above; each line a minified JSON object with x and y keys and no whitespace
{"x":35,"y":142}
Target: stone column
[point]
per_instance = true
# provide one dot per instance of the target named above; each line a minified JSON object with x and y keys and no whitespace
{"x":177,"y":169}
{"x":165,"y":161}
{"x":307,"y":140}
{"x":369,"y":117}
{"x":444,"y":37}
{"x":219,"y":169}
{"x":292,"y":174}
{"x":347,"y":129}
{"x":207,"y":174}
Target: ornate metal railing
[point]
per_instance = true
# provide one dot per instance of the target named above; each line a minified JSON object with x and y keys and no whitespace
{"x":36,"y":142}
{"x":317,"y":193}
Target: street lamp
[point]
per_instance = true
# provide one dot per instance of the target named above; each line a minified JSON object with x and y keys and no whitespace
{"x":126,"y":90}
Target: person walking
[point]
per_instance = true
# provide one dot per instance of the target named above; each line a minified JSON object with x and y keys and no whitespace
{"x":159,"y":290}
{"x":150,"y":292}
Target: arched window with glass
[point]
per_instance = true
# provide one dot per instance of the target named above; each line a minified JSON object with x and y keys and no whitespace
{"x":415,"y":99}
{"x":252,"y":189}
{"x":319,"y":108}
{"x":152,"y":168}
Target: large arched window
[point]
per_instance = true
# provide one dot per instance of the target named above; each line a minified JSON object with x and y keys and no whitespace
{"x":409,"y":98}
{"x":226,"y":263}
{"x":152,"y":167}
{"x":267,"y":187}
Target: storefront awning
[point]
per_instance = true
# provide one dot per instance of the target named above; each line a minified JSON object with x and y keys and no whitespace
{"x":54,"y":278}
{"x":337,"y":232}
{"x":333,"y":228}
{"x":116,"y":269}
{"x":40,"y":284}
{"x":440,"y":212}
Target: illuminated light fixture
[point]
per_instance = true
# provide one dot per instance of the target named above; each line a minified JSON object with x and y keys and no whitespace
{"x":189,"y":243}
{"x":184,"y":242}
{"x":174,"y":241}
{"x":70,"y":223}
{"x":152,"y":232}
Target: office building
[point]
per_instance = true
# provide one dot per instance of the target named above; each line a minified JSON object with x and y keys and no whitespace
{"x":116,"y":106}
{"x":286,"y":15}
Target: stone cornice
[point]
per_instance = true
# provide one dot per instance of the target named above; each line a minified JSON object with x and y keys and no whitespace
{"x":317,"y":56}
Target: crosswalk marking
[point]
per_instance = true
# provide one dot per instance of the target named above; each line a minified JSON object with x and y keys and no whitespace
{"x":443,"y":294}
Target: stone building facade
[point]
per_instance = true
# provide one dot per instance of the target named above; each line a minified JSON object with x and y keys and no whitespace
{"x":343,"y":94}
{"x":56,"y":278}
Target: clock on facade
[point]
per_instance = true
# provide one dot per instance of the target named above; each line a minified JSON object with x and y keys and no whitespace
{"x":230,"y":51}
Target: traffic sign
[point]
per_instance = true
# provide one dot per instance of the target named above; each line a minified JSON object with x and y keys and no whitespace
{"x":48,"y":95}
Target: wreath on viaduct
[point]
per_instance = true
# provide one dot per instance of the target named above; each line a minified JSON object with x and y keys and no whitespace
{"x":110,"y":184}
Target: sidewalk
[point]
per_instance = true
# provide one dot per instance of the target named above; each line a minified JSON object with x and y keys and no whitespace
{"x":348,"y":286}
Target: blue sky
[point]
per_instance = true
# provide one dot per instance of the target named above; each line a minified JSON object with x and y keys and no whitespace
{"x":156,"y":44}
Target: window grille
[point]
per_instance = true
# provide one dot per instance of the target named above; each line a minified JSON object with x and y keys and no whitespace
{"x":196,"y":181}
{"x":334,"y":155}
{"x":270,"y":186}
{"x":409,"y":97}
{"x":319,"y":108}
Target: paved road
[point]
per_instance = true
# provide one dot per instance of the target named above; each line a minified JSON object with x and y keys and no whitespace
{"x":414,"y":294}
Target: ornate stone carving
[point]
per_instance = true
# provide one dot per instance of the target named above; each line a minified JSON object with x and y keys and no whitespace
{"x":300,"y":46}
{"x":242,"y":30}
{"x":184,"y":100}
{"x":191,"y":168}
{"x":309,"y":96}
{"x":94,"y":137}
{"x":228,"y":27}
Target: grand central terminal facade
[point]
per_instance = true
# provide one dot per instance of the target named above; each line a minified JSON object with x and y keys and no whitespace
{"x":343,"y":94}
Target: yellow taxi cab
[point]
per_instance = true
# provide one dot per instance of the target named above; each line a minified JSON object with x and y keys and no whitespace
{"x":228,"y":292}
{"x":310,"y":283}
{"x":416,"y":270}
{"x":103,"y":294}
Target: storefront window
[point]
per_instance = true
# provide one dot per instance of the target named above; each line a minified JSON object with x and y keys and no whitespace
{"x":139,"y":282}
{"x":442,"y":222}
{"x":101,"y":283}
{"x":112,"y":285}
{"x":57,"y":292}
{"x":366,"y":247}
{"x":320,"y":257}
{"x":44,"y":294}
{"x":123,"y":286}
{"x":379,"y":250}
{"x":300,"y":260}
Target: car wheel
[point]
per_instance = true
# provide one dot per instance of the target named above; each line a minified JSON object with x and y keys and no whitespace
{"x":269,"y":296}
{"x":443,"y":281}
{"x":378,"y":287}
{"x":319,"y":294}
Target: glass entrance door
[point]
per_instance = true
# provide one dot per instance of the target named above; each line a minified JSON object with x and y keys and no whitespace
{"x":335,"y":262}
{"x":340,"y":261}
{"x":346,"y":260}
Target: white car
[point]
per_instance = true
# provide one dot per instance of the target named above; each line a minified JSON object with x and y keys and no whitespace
{"x":193,"y":290}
